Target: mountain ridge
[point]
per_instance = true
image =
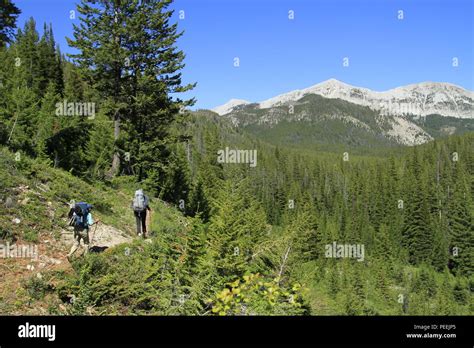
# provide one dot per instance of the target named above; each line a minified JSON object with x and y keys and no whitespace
{"x":421,"y":99}
{"x":314,"y":120}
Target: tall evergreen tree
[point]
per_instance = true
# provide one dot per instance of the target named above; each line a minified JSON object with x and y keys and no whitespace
{"x":48,"y":124}
{"x":417,"y":236}
{"x":236,"y":227}
{"x":461,"y":225}
{"x":8,"y":16}
{"x":127,"y":51}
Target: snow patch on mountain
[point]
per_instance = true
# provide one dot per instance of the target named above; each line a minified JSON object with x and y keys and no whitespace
{"x":419,"y":99}
{"x":229,"y":106}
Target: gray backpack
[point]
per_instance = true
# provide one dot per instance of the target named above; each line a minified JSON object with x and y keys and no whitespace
{"x":139,"y":202}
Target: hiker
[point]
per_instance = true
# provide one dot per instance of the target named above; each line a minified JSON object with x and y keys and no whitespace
{"x":81,"y":218}
{"x":140,"y":206}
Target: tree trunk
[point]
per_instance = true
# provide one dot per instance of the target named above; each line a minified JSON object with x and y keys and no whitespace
{"x":118,"y":72}
{"x":116,"y":160}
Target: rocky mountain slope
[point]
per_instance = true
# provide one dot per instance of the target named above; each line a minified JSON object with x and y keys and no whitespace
{"x":335,"y":112}
{"x":421,"y":99}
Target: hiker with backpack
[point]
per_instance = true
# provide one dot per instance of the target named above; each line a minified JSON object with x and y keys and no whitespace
{"x":81,"y":218}
{"x":140,"y":205}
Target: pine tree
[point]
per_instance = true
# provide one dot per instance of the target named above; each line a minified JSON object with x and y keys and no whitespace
{"x":99,"y":148}
{"x":304,"y":227}
{"x":333,"y":280}
{"x":8,"y":16}
{"x":135,"y":67}
{"x":74,"y":86}
{"x":417,"y":236}
{"x":444,"y":305}
{"x":460,"y":292}
{"x":48,"y":125}
{"x":354,"y":293}
{"x":383,"y":245}
{"x":26,"y":56}
{"x":49,"y":64}
{"x":21,"y":117}
{"x":235,"y":229}
{"x":424,"y":283}
{"x":440,"y":253}
{"x":198,"y":203}
{"x":30,"y":69}
{"x":461,"y":226}
{"x":382,"y":282}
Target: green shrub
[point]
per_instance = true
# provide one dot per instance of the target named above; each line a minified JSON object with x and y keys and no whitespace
{"x":7,"y":235}
{"x":256,"y":295}
{"x":30,"y":235}
{"x":36,"y":287}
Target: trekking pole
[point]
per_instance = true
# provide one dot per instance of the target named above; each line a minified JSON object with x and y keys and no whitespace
{"x":93,"y":233}
{"x":148,"y":223}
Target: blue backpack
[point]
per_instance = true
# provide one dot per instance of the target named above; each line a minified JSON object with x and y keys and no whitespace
{"x":82,"y":210}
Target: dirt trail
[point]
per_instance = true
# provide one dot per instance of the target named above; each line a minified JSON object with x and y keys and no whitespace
{"x":100,"y":235}
{"x":49,"y":255}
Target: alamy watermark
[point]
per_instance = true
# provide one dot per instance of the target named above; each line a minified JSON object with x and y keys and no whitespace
{"x":353,"y":251}
{"x":37,"y":331}
{"x":237,"y":156}
{"x":18,"y":251}
{"x":85,"y":109}
{"x":389,"y":108}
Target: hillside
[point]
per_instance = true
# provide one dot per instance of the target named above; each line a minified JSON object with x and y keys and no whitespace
{"x":35,"y":201}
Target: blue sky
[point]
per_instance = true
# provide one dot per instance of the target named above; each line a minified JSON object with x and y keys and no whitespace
{"x":278,"y":54}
